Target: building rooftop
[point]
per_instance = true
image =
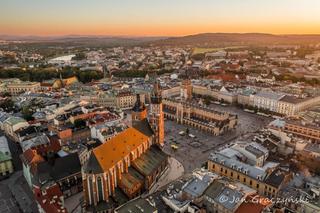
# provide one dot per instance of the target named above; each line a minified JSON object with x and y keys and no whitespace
{"x":276,"y":178}
{"x":251,"y":205}
{"x":255,"y":150}
{"x":36,"y":141}
{"x":15,"y":120}
{"x":214,"y":189}
{"x":196,"y":186}
{"x":270,"y":95}
{"x":5,"y":153}
{"x":278,"y":123}
{"x":131,"y":178}
{"x":118,"y":147}
{"x":59,"y":168}
{"x":143,"y":127}
{"x":149,"y":161}
{"x":136,"y":206}
{"x":293,"y":99}
{"x":312,"y":148}
{"x":251,"y":171}
{"x":227,"y":196}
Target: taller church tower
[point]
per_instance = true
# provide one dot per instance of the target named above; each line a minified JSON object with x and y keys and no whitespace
{"x":156,"y":118}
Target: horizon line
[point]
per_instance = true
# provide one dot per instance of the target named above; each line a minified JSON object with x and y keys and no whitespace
{"x":137,"y":36}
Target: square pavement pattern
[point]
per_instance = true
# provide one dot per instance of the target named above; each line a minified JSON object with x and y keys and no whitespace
{"x":7,"y":202}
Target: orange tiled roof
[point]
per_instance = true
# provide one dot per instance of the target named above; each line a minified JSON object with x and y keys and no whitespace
{"x":31,"y":156}
{"x":111,"y":152}
{"x":254,"y":206}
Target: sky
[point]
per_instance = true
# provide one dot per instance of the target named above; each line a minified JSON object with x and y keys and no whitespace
{"x":158,"y":17}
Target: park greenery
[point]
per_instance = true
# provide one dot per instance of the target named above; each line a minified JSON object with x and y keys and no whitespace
{"x":295,"y":79}
{"x":137,"y":73}
{"x":43,"y":74}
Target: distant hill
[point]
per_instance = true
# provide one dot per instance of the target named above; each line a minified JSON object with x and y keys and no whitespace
{"x":222,"y":39}
{"x":81,"y":40}
{"x":200,"y":40}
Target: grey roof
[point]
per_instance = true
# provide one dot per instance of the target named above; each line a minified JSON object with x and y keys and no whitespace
{"x":143,"y":127}
{"x":258,"y":153}
{"x":196,"y":187}
{"x":227,"y":197}
{"x":36,"y":141}
{"x":136,"y":206}
{"x":276,"y":178}
{"x":93,"y":165}
{"x":293,"y":99}
{"x":312,"y":148}
{"x":4,"y":147}
{"x":3,"y":116}
{"x":231,"y":153}
{"x":251,"y":171}
{"x":270,"y":95}
{"x":214,"y":189}
{"x":278,"y":123}
{"x":61,"y":168}
{"x":15,"y":120}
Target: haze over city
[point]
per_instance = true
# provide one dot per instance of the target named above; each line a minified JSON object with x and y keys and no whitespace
{"x":158,"y":18}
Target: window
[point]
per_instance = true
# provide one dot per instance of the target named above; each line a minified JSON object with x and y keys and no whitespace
{"x":257,"y":185}
{"x":250,"y":183}
{"x":238,"y":177}
{"x":244,"y":180}
{"x":91,"y":190}
{"x":100,"y":189}
{"x":231,"y":174}
{"x":221,"y":170}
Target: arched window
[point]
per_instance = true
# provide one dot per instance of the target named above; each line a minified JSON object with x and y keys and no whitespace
{"x":91,"y":191}
{"x":100,"y":189}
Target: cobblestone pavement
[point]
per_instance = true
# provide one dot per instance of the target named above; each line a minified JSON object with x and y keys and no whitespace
{"x":175,"y":170}
{"x":73,"y":203}
{"x":7,"y":202}
{"x":19,"y":191}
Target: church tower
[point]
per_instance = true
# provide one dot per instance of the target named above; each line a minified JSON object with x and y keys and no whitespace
{"x":156,"y":118}
{"x":186,"y":90}
{"x":139,"y":111}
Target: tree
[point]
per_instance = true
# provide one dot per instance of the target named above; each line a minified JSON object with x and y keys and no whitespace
{"x":303,"y":51}
{"x":207,"y":100}
{"x":79,"y":56}
{"x":7,"y":105}
{"x":79,"y":123}
{"x":6,"y":94}
{"x":198,"y":56}
{"x":27,"y":113}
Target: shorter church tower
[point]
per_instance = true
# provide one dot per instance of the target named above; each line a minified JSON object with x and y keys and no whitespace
{"x":186,"y":90}
{"x":139,"y":111}
{"x":156,"y":118}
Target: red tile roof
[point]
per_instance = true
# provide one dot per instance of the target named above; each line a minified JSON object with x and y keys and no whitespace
{"x":254,"y":204}
{"x":49,"y":199}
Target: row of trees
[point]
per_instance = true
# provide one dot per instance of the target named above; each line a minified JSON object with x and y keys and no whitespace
{"x":40,"y":75}
{"x":137,"y":73}
{"x":295,"y":79}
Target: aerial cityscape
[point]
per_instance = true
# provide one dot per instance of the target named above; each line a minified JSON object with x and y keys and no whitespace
{"x":205,"y":106}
